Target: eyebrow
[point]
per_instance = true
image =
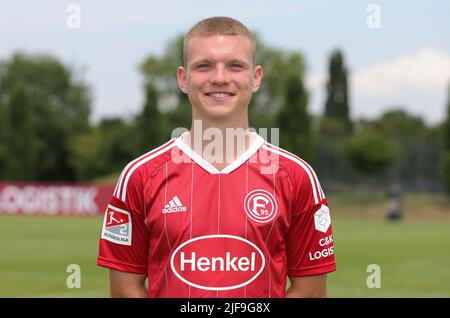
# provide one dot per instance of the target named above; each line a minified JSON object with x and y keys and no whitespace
{"x":202,"y":61}
{"x":239,"y":61}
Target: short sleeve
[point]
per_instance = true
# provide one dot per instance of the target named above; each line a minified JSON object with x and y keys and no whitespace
{"x":310,"y":247}
{"x":124,"y":240}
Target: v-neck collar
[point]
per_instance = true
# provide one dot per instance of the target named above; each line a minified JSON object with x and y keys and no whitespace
{"x":257,"y":143}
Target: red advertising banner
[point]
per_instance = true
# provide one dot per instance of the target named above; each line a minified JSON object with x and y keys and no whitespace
{"x":54,"y":199}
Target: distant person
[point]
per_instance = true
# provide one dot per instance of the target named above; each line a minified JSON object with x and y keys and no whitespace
{"x":395,"y":207}
{"x":200,"y":227}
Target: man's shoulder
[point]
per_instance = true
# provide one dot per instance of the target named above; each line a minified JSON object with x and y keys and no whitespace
{"x":142,"y":166}
{"x":287,"y":160}
{"x":151,"y":160}
{"x":298,"y":170}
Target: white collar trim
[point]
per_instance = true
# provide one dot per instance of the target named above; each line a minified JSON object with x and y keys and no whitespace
{"x":254,"y":147}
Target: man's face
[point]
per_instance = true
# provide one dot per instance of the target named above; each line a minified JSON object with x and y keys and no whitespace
{"x":219,"y":76}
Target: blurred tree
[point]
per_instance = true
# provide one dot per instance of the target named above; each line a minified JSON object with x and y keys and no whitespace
{"x":445,"y":160}
{"x":147,"y":125}
{"x":85,"y":155}
{"x":279,"y":68}
{"x":447,"y":125}
{"x":294,"y":120}
{"x":398,"y":124}
{"x":335,"y":125}
{"x":19,"y":143}
{"x":369,"y":152}
{"x":160,"y":73}
{"x":446,"y":170}
{"x":102,"y":150}
{"x":419,"y":148}
{"x":56,"y":108}
{"x":331,"y":163}
{"x":415,"y":143}
{"x":116,"y":148}
{"x":336,"y":105}
{"x":3,"y":138}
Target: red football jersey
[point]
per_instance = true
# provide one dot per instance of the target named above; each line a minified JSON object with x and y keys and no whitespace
{"x":199,"y":232}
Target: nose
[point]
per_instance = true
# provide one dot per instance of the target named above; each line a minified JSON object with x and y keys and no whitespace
{"x":219,"y":75}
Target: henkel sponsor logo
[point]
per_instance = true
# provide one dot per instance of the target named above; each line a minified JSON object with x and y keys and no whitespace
{"x":217,"y":262}
{"x":52,"y":199}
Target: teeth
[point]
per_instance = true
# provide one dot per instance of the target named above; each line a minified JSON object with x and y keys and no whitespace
{"x":218,"y":94}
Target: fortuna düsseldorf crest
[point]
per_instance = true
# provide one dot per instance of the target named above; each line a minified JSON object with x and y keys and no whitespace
{"x":260,"y":206}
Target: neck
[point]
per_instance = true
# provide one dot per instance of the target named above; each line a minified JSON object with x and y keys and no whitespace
{"x":220,"y":142}
{"x":238,"y":121}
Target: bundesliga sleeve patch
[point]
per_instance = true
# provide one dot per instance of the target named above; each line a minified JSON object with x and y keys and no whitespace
{"x":117,"y":226}
{"x":322,"y":219}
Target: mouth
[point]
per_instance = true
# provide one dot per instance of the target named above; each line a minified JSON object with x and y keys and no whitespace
{"x":220,"y":97}
{"x":219,"y":94}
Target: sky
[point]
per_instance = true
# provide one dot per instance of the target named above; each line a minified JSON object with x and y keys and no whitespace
{"x":397,"y":52}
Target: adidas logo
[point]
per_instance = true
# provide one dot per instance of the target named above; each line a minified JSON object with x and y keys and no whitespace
{"x":174,"y":206}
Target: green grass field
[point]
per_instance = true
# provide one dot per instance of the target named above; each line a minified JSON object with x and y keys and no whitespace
{"x":414,"y":255}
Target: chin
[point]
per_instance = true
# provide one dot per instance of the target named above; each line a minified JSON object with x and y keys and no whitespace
{"x":217,"y":111}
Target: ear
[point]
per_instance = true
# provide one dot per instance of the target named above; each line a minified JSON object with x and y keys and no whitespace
{"x":182,"y":77}
{"x":257,"y":77}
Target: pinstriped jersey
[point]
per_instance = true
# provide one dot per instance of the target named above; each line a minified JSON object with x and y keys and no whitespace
{"x":199,"y":232}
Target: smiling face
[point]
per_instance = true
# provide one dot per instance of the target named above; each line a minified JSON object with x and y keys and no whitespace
{"x":219,"y":75}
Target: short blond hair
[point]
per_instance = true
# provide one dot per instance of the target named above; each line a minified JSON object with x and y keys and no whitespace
{"x":219,"y":26}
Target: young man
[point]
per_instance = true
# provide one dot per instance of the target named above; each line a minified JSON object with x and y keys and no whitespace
{"x":196,"y":225}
